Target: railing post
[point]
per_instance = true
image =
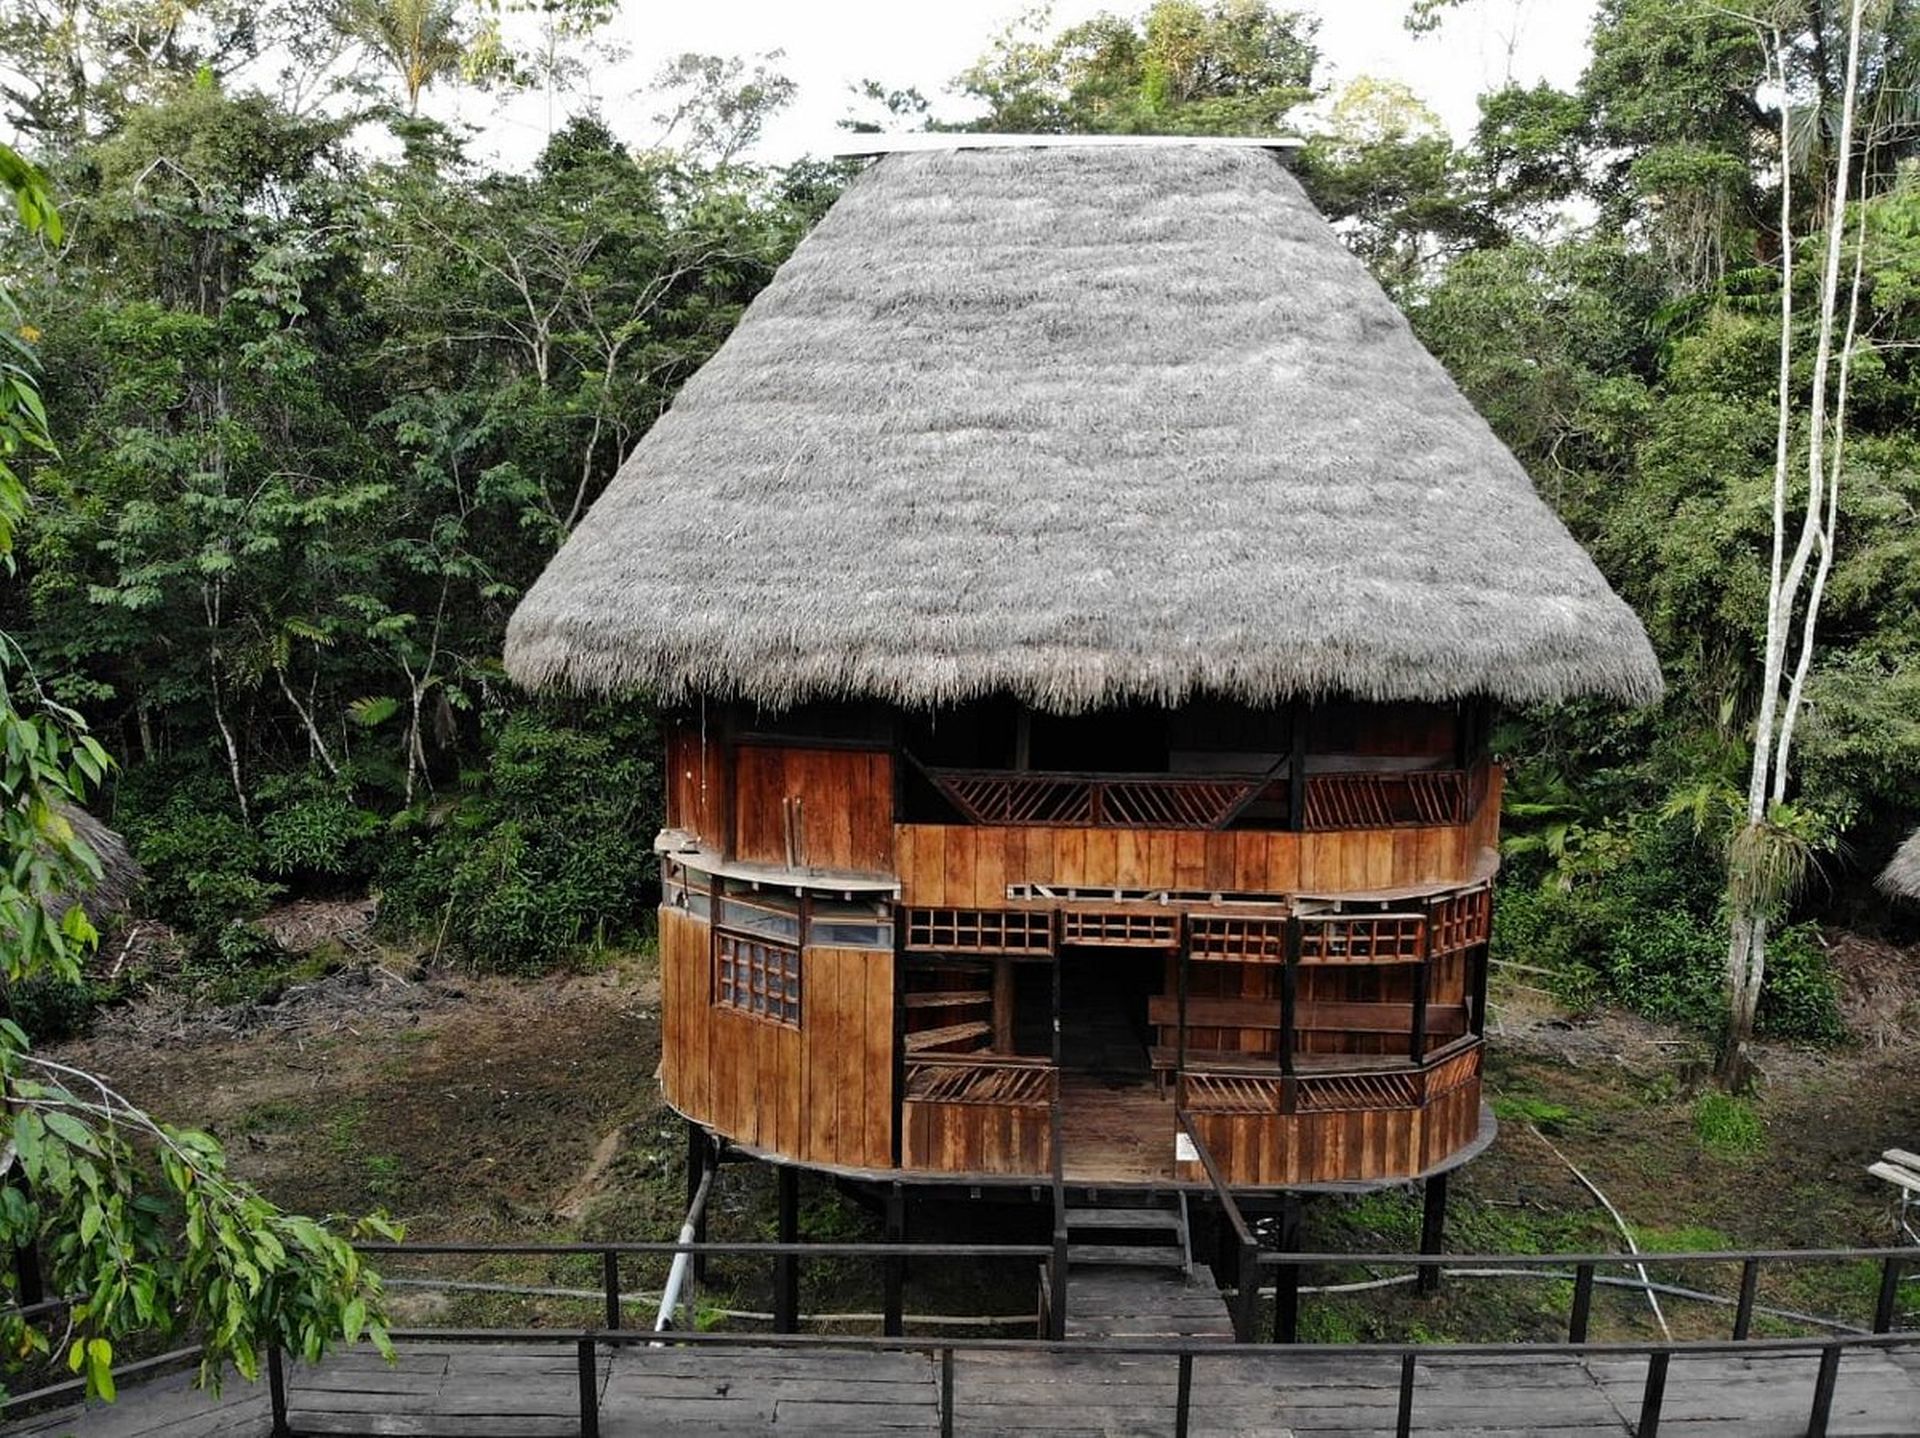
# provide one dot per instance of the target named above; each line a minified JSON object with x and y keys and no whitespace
{"x":1653,"y":1395}
{"x":786,"y":1266}
{"x":1286,"y":1278}
{"x":1183,"y":1395}
{"x":1403,"y":1423}
{"x":1433,"y":1231}
{"x":1743,"y":1310}
{"x":610,"y":1273}
{"x":1823,"y":1385}
{"x":1884,"y":1304}
{"x":1246,"y":1296}
{"x":589,"y":1391}
{"x":277,"y":1391}
{"x":1582,"y":1303}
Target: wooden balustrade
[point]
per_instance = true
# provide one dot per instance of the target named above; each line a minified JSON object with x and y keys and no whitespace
{"x":978,"y":1114}
{"x":1424,"y":798}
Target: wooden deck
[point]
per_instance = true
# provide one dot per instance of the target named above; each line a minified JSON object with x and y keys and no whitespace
{"x":503,"y":1392}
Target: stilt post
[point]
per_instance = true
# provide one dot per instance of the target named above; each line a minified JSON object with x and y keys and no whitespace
{"x":1433,"y":1230}
{"x":894,"y":1276}
{"x":786,"y":1266}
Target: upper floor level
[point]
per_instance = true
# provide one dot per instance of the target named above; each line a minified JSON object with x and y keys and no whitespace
{"x":990,"y":803}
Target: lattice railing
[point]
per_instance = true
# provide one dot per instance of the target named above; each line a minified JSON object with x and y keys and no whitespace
{"x":979,"y":931}
{"x":1362,"y":938}
{"x":1156,"y":801}
{"x":1336,"y":1093}
{"x":1233,"y":1093}
{"x":1002,"y":1085}
{"x":1386,"y":801}
{"x":1249,"y":941}
{"x":1459,"y":921}
{"x":1157,"y":931}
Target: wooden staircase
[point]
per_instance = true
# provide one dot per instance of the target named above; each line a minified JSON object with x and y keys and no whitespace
{"x":1130,"y":1272}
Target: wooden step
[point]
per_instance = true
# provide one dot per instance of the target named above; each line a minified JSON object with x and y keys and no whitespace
{"x":955,"y":1000}
{"x":1122,"y":1255}
{"x":951,"y":1034}
{"x":1124,"y":1218}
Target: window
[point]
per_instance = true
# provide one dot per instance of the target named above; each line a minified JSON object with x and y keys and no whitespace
{"x":760,"y":912}
{"x":688,"y":889}
{"x":832,"y":924}
{"x":762,"y":979}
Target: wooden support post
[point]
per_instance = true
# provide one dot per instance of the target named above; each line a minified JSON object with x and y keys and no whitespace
{"x":1289,"y":982}
{"x":893,"y":1278}
{"x":786,"y":1266}
{"x":946,"y":1393}
{"x":1477,"y":1004}
{"x":1003,"y":1005}
{"x":1433,"y":1230}
{"x":1180,"y":1037}
{"x":1403,"y":1421}
{"x":1422,"y":986}
{"x":1286,"y":1292}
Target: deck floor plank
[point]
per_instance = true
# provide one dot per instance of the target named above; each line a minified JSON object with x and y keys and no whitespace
{"x":480,"y":1392}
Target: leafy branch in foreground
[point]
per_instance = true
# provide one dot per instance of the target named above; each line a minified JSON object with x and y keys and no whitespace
{"x":139,"y":1222}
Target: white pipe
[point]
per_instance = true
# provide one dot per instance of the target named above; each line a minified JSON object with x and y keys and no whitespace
{"x":683,"y":1262}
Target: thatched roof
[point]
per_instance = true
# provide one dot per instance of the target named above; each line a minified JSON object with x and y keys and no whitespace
{"x":1082,"y":426}
{"x":120,"y":873}
{"x":1901,"y":878}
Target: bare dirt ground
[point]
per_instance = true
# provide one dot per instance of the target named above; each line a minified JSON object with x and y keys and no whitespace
{"x":467,"y":1106}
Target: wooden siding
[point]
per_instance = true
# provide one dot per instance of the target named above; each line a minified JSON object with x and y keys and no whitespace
{"x":975,"y":1138}
{"x":822,"y":1093}
{"x":845,"y":807}
{"x":698,"y":785}
{"x":970,"y":866}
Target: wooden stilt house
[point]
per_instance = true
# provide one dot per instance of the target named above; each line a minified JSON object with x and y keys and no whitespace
{"x":1080,"y":602}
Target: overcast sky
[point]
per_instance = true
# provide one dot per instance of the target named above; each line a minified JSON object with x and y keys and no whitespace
{"x":831,"y":44}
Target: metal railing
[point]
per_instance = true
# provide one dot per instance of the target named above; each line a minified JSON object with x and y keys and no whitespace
{"x":588,"y":1343}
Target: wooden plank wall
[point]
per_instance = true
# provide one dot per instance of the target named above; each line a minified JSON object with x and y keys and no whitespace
{"x":967,"y":866}
{"x":975,"y":1138}
{"x":822,"y":1093}
{"x":846,"y":806}
{"x":698,"y":784}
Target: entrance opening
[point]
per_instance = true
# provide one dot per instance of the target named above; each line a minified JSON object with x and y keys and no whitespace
{"x":1103,"y":1012}
{"x":1115,"y":1123}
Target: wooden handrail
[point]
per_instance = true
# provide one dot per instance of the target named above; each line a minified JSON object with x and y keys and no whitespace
{"x":1246,"y":1294}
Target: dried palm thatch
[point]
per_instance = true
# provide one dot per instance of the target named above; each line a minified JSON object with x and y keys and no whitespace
{"x":1082,"y":426}
{"x":112,"y":894}
{"x":1901,"y":878}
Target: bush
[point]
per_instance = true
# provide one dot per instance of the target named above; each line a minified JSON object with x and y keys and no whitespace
{"x":202,"y":862}
{"x":1644,"y":927}
{"x":310,"y":826}
{"x":550,"y":851}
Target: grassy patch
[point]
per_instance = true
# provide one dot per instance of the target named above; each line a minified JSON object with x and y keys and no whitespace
{"x":1727,"y":1127}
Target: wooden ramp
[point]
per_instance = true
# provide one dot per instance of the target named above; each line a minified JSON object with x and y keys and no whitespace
{"x":474,"y":1391}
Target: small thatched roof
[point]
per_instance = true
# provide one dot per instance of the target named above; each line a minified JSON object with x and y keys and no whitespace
{"x":1901,"y":878}
{"x":120,"y":873}
{"x":1082,"y":426}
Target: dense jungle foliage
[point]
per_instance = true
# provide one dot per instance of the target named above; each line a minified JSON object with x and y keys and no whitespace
{"x":326,"y":393}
